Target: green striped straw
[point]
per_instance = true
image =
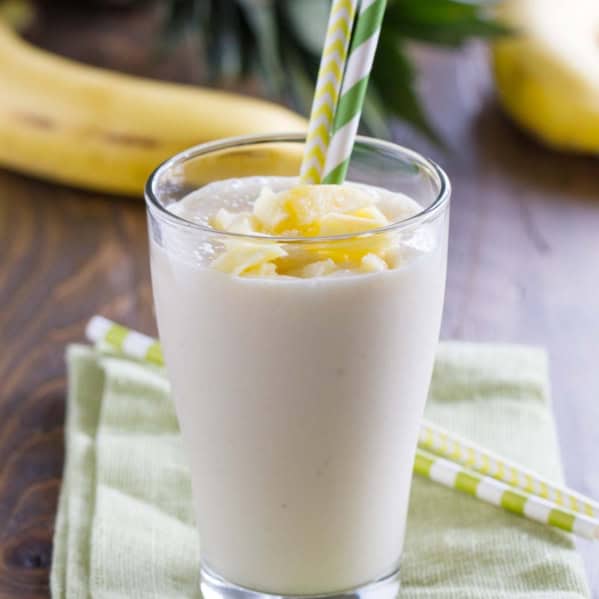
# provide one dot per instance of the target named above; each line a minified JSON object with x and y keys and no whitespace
{"x":498,"y":493}
{"x":445,"y":471}
{"x":457,"y":449}
{"x":355,"y":82}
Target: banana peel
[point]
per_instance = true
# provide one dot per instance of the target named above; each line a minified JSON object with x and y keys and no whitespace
{"x":547,"y":73}
{"x":104,"y":131}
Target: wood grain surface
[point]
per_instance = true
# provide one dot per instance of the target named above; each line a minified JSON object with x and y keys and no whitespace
{"x":523,"y":268}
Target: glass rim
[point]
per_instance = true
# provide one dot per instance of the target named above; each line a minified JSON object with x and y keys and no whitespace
{"x":427,"y":213}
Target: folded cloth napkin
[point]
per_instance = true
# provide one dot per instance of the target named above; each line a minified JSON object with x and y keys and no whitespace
{"x":125,"y":525}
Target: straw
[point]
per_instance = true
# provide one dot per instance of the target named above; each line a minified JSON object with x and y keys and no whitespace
{"x":453,"y":447}
{"x":521,"y":501}
{"x":124,"y":340}
{"x":327,"y":90}
{"x":349,"y":109}
{"x":500,"y":494}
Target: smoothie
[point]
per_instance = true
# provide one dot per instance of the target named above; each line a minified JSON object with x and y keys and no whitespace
{"x":299,"y":373}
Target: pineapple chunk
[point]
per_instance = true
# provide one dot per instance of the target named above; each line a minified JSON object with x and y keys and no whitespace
{"x":269,"y":211}
{"x":372,"y":213}
{"x":315,"y":269}
{"x":307,"y":205}
{"x":296,"y":259}
{"x":242,"y":223}
{"x":306,"y":210}
{"x":373,"y":263}
{"x":342,"y":224}
{"x":242,"y":256}
{"x":222,"y":220}
{"x":266,"y":269}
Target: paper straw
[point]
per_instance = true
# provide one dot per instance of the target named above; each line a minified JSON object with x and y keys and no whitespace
{"x":355,"y":81}
{"x":100,"y":330}
{"x":327,"y":89}
{"x":453,"y":447}
{"x":124,"y":340}
{"x":500,"y":494}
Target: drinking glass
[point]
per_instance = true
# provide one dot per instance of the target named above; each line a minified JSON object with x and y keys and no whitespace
{"x":299,"y":400}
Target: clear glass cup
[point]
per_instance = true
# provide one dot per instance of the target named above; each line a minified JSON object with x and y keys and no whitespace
{"x":299,"y":400}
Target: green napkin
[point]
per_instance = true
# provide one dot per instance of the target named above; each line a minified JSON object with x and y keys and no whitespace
{"x":125,"y":525}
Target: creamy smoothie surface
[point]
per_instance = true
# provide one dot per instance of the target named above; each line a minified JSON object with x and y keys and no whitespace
{"x":299,"y":372}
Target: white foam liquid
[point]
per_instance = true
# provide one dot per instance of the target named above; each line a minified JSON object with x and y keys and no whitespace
{"x":299,"y":402}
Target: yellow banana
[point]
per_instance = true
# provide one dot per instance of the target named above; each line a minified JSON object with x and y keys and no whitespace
{"x":547,"y":76}
{"x":105,"y":131}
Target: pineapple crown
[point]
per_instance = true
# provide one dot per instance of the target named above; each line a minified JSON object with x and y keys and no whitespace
{"x":279,"y":42}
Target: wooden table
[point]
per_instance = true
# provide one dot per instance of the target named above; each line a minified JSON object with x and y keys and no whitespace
{"x":523,"y":268}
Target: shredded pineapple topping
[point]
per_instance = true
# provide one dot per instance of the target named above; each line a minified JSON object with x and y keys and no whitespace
{"x":308,"y":211}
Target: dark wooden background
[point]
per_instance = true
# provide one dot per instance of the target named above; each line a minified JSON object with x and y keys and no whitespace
{"x":524,"y":267}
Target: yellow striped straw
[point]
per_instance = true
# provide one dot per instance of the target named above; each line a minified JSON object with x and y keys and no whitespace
{"x":441,"y":442}
{"x":328,"y":86}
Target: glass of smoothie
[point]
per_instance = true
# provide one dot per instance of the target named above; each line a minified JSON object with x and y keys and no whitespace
{"x":299,"y":325}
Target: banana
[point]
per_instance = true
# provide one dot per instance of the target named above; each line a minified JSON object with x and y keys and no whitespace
{"x":104,"y":131}
{"x":546,"y":73}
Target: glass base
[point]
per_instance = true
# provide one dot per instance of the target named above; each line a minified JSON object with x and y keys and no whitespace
{"x":215,"y":587}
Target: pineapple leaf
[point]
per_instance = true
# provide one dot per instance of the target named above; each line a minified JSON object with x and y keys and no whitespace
{"x":261,"y":18}
{"x":225,"y":50}
{"x":442,"y":22}
{"x":394,"y":78}
{"x":280,"y":42}
{"x":300,"y":83}
{"x":375,"y":117}
{"x":180,"y":15}
{"x":308,"y":21}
